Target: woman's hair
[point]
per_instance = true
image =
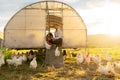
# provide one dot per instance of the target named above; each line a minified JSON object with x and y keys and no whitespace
{"x":49,"y":35}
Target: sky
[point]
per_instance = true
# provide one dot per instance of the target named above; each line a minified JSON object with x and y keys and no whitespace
{"x":99,"y":16}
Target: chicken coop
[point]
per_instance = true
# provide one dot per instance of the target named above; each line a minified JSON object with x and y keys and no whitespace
{"x":29,"y":26}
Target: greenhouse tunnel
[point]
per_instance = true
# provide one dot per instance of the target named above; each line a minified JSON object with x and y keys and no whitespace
{"x":29,"y":26}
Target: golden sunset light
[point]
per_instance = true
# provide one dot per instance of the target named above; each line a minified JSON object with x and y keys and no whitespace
{"x":102,"y":20}
{"x":59,"y":39}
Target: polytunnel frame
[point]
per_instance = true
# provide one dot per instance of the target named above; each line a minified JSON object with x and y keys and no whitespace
{"x":86,"y":46}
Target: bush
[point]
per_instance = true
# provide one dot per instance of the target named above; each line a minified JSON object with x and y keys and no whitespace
{"x":6,"y":52}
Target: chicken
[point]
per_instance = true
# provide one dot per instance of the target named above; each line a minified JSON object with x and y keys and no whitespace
{"x":64,"y":54}
{"x":18,"y":61}
{"x":88,"y":58}
{"x":24,"y":58}
{"x":9,"y":61}
{"x":107,"y":70}
{"x":117,"y":65}
{"x":33,"y":63}
{"x":108,"y":56}
{"x":80,"y":58}
{"x":79,"y":54}
{"x":1,"y":59}
{"x":101,"y":68}
{"x":97,"y":59}
{"x":57,"y":52}
{"x":30,"y":55}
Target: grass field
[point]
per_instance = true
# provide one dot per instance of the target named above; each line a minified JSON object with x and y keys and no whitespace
{"x":71,"y":70}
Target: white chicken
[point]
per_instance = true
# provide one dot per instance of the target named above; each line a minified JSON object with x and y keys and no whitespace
{"x":101,"y":68}
{"x":18,"y":61}
{"x":108,"y":56}
{"x":24,"y":58}
{"x":33,"y":63}
{"x":9,"y":61}
{"x":117,"y":65}
{"x":2,"y":61}
{"x":30,"y":56}
{"x":107,"y":70}
{"x":57,"y":52}
{"x":97,"y":59}
{"x":80,"y":58}
{"x":88,"y":58}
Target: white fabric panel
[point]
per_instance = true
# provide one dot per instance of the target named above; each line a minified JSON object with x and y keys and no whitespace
{"x":35,"y":19}
{"x":14,"y":38}
{"x":74,"y":38}
{"x":73,"y":23}
{"x":18,"y":21}
{"x":27,"y":28}
{"x":24,"y":39}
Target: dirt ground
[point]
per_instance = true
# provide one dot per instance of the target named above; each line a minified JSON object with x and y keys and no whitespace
{"x":71,"y":71}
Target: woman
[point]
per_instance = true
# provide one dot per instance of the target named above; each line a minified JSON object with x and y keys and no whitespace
{"x":58,"y":37}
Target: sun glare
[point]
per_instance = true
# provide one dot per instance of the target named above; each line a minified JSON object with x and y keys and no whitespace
{"x":114,"y":33}
{"x":105,"y":28}
{"x":110,"y":21}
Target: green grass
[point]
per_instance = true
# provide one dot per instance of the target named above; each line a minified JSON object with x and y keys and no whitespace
{"x":71,"y":70}
{"x":115,"y":52}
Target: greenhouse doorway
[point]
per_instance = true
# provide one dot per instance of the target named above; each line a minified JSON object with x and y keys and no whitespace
{"x":53,"y":21}
{"x":54,"y":18}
